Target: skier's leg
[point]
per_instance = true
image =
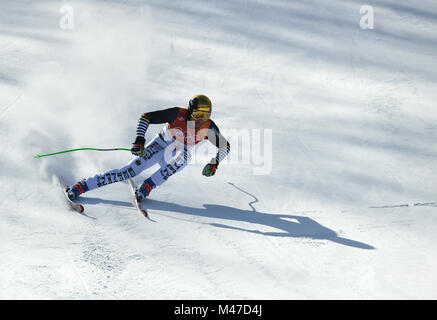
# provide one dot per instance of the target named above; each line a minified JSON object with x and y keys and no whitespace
{"x":167,"y":170}
{"x":154,"y":151}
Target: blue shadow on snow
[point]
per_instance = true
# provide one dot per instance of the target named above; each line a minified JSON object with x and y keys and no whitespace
{"x":300,"y":227}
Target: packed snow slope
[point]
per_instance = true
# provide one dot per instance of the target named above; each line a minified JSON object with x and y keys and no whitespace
{"x":347,"y":211}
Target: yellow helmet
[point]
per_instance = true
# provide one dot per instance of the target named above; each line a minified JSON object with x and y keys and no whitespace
{"x":200,"y":107}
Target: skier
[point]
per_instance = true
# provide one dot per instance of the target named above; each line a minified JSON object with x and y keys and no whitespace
{"x":170,"y":148}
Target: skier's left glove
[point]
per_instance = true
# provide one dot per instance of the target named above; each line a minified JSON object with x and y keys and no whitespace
{"x":138,"y":146}
{"x":210,"y":169}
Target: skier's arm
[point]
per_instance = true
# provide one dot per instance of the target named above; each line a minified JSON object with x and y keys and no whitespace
{"x":154,"y":117}
{"x":223,"y":146}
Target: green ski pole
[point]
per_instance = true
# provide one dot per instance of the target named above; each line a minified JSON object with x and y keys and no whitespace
{"x":80,"y":149}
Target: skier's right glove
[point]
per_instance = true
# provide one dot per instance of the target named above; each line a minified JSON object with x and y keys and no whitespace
{"x":138,"y":146}
{"x":210,"y":169}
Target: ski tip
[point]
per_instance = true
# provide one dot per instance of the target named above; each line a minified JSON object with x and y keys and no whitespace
{"x":37,"y":156}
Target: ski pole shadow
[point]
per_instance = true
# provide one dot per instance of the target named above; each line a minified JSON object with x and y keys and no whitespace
{"x":293,"y":226}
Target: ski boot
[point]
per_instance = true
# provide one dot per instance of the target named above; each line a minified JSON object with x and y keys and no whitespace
{"x":145,"y":189}
{"x":75,"y":191}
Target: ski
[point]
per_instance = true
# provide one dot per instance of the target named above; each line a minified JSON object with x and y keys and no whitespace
{"x":135,"y":201}
{"x":75,"y":206}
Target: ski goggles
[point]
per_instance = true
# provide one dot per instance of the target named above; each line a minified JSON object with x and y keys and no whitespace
{"x":201,"y":113}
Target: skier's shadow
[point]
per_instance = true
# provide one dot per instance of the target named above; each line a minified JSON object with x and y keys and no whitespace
{"x":291,"y":225}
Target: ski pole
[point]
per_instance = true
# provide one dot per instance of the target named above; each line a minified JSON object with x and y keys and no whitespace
{"x":72,"y":150}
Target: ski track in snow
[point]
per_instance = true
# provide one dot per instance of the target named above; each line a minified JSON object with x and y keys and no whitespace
{"x":347,"y":212}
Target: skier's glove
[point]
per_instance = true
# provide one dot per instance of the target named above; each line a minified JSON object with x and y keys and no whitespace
{"x":138,"y":146}
{"x":210,"y":169}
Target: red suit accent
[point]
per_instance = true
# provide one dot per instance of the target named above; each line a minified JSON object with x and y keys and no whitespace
{"x":185,"y":132}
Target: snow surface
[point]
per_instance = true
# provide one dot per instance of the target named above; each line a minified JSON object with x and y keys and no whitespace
{"x":348,"y":211}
